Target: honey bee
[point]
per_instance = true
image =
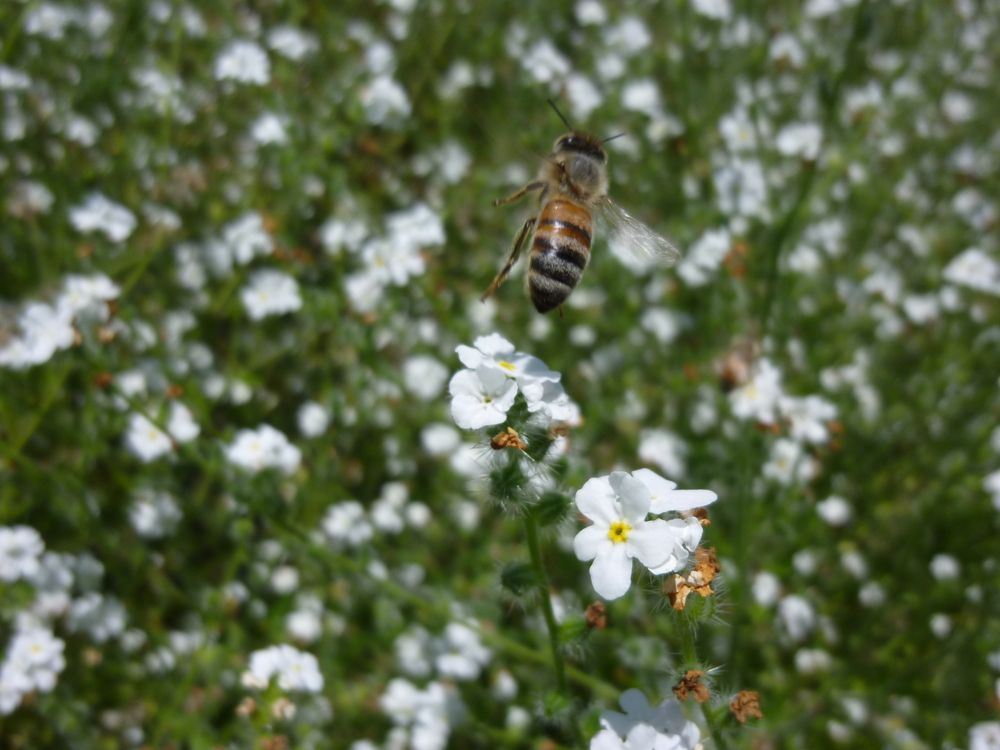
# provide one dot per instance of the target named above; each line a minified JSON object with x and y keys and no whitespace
{"x":573,"y":182}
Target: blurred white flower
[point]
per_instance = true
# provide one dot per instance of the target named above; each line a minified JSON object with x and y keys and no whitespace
{"x":246,"y":237}
{"x":941,"y":625}
{"x":270,"y":292}
{"x":663,"y":449}
{"x":98,"y":213}
{"x":28,"y":198}
{"x":440,"y":439}
{"x":590,"y":13}
{"x":871,"y":594}
{"x":544,"y":62}
{"x":789,"y":463}
{"x":666,"y":720}
{"x":21,"y":548}
{"x":144,"y":439}
{"x":759,"y":397}
{"x":985,"y":736}
{"x":812,"y":660}
{"x":34,"y":660}
{"x":424,"y":376}
{"x":808,"y":417}
{"x":618,"y":505}
{"x":101,"y":617}
{"x":284,"y":579}
{"x":295,"y":670}
{"x":154,"y":514}
{"x":291,"y":42}
{"x":384,"y":100}
{"x":584,"y":96}
{"x":797,"y":615}
{"x":345,"y":522}
{"x":766,"y":588}
{"x":263,"y":448}
{"x":975,"y":269}
{"x":480,"y":397}
{"x":180,"y":424}
{"x":704,"y":257}
{"x":312,"y":419}
{"x":740,"y":188}
{"x":945,"y":568}
{"x":243,"y":61}
{"x":836,"y":511}
{"x":462,"y":654}
{"x":421,"y":716}
{"x":717,"y":9}
{"x":336,"y":234}
{"x":268,"y":129}
{"x":958,"y":106}
{"x":800,"y":139}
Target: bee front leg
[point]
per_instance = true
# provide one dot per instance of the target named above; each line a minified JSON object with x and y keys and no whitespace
{"x":531,"y":186}
{"x":519,"y":241}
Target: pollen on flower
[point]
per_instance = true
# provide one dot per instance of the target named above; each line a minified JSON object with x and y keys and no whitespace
{"x":618,"y":533}
{"x":506,"y":365}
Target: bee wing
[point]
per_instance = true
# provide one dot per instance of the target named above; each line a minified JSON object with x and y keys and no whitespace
{"x":634,"y":243}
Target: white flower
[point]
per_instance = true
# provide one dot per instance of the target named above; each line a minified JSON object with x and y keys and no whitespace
{"x":717,"y":9}
{"x":44,"y":330}
{"x":836,"y":511}
{"x":497,"y":353}
{"x":800,"y":139}
{"x":766,"y":588}
{"x":385,"y":100}
{"x":269,"y":128}
{"x":38,"y":656}
{"x":295,"y":670}
{"x":665,"y":720}
{"x":243,"y":61}
{"x":421,"y":716}
{"x":544,"y":62}
{"x":28,"y":198}
{"x":797,"y":615}
{"x":975,"y":269}
{"x":618,"y":506}
{"x":704,"y":257}
{"x":181,"y":425}
{"x":291,"y":42}
{"x":263,"y":448}
{"x":665,"y":498}
{"x":102,"y":617}
{"x":416,"y":227}
{"x":463,"y":655}
{"x":640,"y":737}
{"x":590,"y":13}
{"x":664,"y":449}
{"x":985,"y":736}
{"x":145,"y":439}
{"x":812,"y":660}
{"x":808,"y":416}
{"x":313,"y":419}
{"x":99,"y":213}
{"x":270,"y":292}
{"x":440,"y":439}
{"x":758,"y":398}
{"x":789,"y":463}
{"x":945,"y":568}
{"x":21,"y":548}
{"x":424,"y":376}
{"x":336,"y":234}
{"x":480,"y":397}
{"x":345,"y":522}
{"x":154,"y":514}
{"x":246,"y":237}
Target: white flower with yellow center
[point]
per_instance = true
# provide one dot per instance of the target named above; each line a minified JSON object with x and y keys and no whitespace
{"x":480,"y":397}
{"x":497,"y":353}
{"x":618,"y":506}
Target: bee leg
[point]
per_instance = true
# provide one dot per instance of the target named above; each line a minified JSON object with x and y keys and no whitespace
{"x":537,"y":185}
{"x":519,"y":241}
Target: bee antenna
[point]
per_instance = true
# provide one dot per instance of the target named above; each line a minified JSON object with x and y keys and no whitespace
{"x":613,"y":137}
{"x":561,"y":116}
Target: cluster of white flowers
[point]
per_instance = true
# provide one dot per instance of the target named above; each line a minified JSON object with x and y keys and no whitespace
{"x":391,"y":259}
{"x":296,"y":671}
{"x":347,"y":522}
{"x":154,"y":513}
{"x":46,"y":328}
{"x":618,"y":506}
{"x":457,"y":654}
{"x":33,"y":662}
{"x":644,"y":727}
{"x":98,"y":213}
{"x":422,"y":718}
{"x":763,"y":400}
{"x":148,"y":442}
{"x":270,"y":292}
{"x":482,"y":394}
{"x":263,"y":448}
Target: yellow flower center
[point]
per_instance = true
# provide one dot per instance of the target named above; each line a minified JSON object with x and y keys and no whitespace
{"x":506,"y":365}
{"x":618,"y":533}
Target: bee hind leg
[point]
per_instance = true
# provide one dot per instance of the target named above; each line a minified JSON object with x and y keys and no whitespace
{"x":531,"y":186}
{"x":519,"y":242}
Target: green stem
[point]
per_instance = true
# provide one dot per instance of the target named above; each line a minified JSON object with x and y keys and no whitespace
{"x":531,"y":534}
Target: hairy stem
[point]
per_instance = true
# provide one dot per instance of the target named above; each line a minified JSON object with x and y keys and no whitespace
{"x":531,"y":534}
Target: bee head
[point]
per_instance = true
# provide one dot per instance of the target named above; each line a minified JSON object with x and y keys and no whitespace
{"x":578,"y":142}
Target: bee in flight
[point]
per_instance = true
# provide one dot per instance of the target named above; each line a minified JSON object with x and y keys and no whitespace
{"x":573,"y":182}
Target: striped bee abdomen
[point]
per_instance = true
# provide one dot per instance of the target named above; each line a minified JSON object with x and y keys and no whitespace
{"x":559,"y":252}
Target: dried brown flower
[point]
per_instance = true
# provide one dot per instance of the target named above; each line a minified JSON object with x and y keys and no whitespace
{"x":597,"y":616}
{"x":691,"y":683}
{"x":677,"y":587}
{"x":508,"y":439}
{"x":746,"y":706}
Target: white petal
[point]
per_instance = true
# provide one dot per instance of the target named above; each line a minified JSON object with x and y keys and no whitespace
{"x":642,"y":737}
{"x":682,"y":500}
{"x":651,"y":543}
{"x":470,"y":357}
{"x":635,"y":704}
{"x":633,"y":495}
{"x":504,"y":399}
{"x":465,"y":383}
{"x":596,"y":500}
{"x":493,"y":380}
{"x":611,"y":571}
{"x":606,"y":740}
{"x":588,"y":542}
{"x":658,"y":486}
{"x":493,"y":344}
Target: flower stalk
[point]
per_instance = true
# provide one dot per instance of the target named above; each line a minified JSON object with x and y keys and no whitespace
{"x":534,"y":549}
